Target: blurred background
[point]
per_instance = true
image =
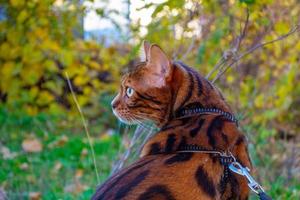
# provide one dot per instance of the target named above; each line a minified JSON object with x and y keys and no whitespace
{"x":44,"y":149}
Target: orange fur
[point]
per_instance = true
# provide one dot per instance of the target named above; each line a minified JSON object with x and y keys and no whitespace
{"x":155,"y":91}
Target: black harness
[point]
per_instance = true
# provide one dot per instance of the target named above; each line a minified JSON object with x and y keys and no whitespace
{"x":228,"y":161}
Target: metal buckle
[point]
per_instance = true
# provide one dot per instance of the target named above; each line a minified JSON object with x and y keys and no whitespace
{"x":236,"y":167}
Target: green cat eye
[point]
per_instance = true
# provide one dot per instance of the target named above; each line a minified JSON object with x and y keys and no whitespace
{"x":129,"y":92}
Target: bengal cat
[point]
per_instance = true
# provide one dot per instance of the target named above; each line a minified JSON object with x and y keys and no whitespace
{"x":167,"y":93}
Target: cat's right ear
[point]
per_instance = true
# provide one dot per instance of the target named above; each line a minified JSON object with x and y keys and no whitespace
{"x":145,"y":51}
{"x":159,"y":64}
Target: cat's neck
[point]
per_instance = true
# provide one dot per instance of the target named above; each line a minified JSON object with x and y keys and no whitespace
{"x":189,"y":88}
{"x":209,"y":132}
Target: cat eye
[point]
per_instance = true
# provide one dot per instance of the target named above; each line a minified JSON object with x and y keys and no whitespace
{"x":129,"y":92}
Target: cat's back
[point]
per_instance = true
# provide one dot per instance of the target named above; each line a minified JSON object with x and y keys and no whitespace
{"x":166,"y":176}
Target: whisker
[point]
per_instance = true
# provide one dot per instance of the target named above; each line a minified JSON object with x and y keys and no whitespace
{"x":144,"y":130}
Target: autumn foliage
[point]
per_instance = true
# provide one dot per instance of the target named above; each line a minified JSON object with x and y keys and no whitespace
{"x":42,"y":40}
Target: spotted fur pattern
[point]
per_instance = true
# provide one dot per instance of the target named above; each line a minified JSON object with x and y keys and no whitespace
{"x":160,"y":89}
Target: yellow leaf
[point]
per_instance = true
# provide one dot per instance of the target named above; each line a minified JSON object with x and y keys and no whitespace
{"x":44,"y":98}
{"x":82,"y":100}
{"x":230,"y":78}
{"x":4,"y":50}
{"x":31,"y":74}
{"x":81,"y":80}
{"x":22,"y":16}
{"x":30,"y":110}
{"x":259,"y":101}
{"x":50,"y":66}
{"x":281,"y":28}
{"x":33,"y":92}
{"x":17,"y":3}
{"x":94,"y":65}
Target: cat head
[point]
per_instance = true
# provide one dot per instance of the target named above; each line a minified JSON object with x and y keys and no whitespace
{"x":157,"y":89}
{"x":145,"y":92}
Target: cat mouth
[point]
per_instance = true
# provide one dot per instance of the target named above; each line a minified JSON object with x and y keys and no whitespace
{"x":125,"y":120}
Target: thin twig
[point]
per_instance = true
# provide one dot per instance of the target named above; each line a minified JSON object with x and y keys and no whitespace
{"x":190,"y":48}
{"x":231,"y":53}
{"x":293,"y":30}
{"x":84,"y":124}
{"x":243,"y":32}
{"x":221,"y":61}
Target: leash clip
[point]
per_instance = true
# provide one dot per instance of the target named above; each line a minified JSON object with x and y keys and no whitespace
{"x":236,"y":167}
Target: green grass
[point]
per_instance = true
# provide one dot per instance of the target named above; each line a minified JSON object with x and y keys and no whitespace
{"x":63,"y":163}
{"x":58,"y":167}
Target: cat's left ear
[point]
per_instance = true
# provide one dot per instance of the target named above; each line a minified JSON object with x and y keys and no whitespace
{"x":159,"y":62}
{"x":144,"y":52}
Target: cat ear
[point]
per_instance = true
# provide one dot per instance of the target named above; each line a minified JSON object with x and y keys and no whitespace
{"x":144,"y":54}
{"x":159,"y":62}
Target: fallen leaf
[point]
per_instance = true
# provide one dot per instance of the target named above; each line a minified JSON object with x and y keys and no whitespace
{"x":107,"y":134}
{"x":31,"y":179}
{"x":57,"y":166}
{"x":35,"y":195}
{"x":84,"y":152}
{"x":78,"y":173}
{"x":7,"y":154}
{"x":59,"y":142}
{"x":76,"y":187}
{"x":32,"y":145}
{"x":24,"y":166}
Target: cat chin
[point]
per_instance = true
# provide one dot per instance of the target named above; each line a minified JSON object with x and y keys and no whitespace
{"x":126,"y":121}
{"x":132,"y":122}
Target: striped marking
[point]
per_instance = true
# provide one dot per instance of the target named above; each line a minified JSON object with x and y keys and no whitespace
{"x":170,"y":143}
{"x":142,"y":105}
{"x":225,"y":138}
{"x":189,"y":90}
{"x":240,"y":140}
{"x":200,"y":87}
{"x":224,"y":180}
{"x":216,"y":124}
{"x":154,"y":149}
{"x":195,"y":131}
{"x":235,"y":187}
{"x":157,"y":192}
{"x":148,"y":98}
{"x":178,"y":158}
{"x":205,"y":182}
{"x":113,"y":181}
{"x":196,"y":75}
{"x":183,"y":121}
{"x":128,"y":187}
{"x":182,"y":143}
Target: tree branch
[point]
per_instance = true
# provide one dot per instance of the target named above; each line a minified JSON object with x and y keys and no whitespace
{"x":190,"y":48}
{"x":231,"y":53}
{"x":292,"y":31}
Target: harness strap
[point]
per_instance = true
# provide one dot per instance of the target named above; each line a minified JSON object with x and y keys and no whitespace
{"x":224,"y":179}
{"x":230,"y":164}
{"x":224,"y":158}
{"x":189,"y":112}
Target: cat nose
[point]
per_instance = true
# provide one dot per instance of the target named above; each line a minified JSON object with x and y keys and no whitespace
{"x":114,"y":103}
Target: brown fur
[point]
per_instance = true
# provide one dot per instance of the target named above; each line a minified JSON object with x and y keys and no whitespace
{"x":161,"y":88}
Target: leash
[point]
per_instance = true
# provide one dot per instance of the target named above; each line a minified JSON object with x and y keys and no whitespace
{"x":230,"y":162}
{"x":237,"y":168}
{"x":227,"y":159}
